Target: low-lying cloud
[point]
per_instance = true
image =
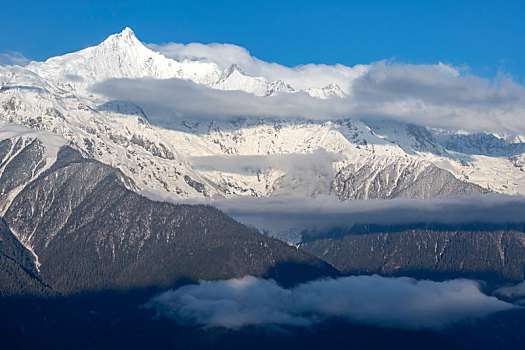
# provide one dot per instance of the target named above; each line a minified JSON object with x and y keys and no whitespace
{"x":372,"y":300}
{"x":517,"y":291}
{"x":168,"y":100}
{"x":287,"y":216}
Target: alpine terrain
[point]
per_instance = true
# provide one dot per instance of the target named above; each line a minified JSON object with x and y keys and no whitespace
{"x":207,"y":158}
{"x":115,"y":162}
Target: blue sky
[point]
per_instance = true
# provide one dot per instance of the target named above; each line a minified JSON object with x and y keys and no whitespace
{"x":486,"y":36}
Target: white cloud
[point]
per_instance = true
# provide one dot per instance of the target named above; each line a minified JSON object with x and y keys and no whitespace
{"x":517,"y":291}
{"x":428,"y":95}
{"x":438,"y":96}
{"x":319,"y":162}
{"x":299,"y":77}
{"x":373,"y":300}
{"x":165,"y":101}
{"x":10,"y":58}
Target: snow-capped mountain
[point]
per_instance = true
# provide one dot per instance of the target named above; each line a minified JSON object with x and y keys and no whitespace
{"x":195,"y":158}
{"x":122,"y":55}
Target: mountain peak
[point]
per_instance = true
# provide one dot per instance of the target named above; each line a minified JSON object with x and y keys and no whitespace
{"x":127,"y":36}
{"x":231,"y":69}
{"x":127,"y":32}
{"x":121,"y":55}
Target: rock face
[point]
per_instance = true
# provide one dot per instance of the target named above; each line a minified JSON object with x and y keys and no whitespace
{"x":91,"y":232}
{"x":487,"y":252}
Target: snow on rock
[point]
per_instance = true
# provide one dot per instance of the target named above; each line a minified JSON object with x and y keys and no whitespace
{"x":326,"y":92}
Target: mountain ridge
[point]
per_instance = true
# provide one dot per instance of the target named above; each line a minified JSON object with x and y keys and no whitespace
{"x":122,"y":55}
{"x":89,"y":232}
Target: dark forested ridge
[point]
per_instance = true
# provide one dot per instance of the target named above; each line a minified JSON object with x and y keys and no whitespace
{"x":92,"y":233}
{"x":490,"y":252}
{"x":18,"y":273}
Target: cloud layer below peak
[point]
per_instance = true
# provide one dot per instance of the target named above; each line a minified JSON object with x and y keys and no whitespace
{"x":429,"y":95}
{"x":286,"y":217}
{"x":373,"y":300}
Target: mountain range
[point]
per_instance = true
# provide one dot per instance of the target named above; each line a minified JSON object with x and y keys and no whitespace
{"x":206,"y":158}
